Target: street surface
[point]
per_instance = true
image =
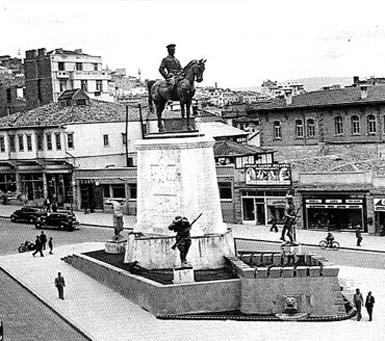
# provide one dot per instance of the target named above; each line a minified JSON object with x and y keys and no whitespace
{"x":25,"y":317}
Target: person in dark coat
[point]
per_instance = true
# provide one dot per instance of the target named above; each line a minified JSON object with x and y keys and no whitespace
{"x":43,"y":240}
{"x":358,"y":302}
{"x":60,"y":284}
{"x":273,"y":222}
{"x":358,"y":235}
{"x":369,"y":302}
{"x":50,"y":245}
{"x":38,"y":247}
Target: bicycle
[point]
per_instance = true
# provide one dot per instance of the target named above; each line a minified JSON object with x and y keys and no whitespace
{"x":323,"y":244}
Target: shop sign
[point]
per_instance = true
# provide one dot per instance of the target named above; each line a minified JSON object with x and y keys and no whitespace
{"x":379,"y":204}
{"x":335,"y":206}
{"x":333,"y":201}
{"x":353,"y":201}
{"x":268,"y":174}
{"x":314,"y":201}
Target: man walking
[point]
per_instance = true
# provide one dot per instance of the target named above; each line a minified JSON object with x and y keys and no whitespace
{"x":289,"y":218}
{"x":358,"y":302}
{"x":38,"y":247}
{"x":358,"y":235}
{"x":369,"y":302}
{"x":50,"y":245}
{"x":43,"y":240}
{"x":60,"y":284}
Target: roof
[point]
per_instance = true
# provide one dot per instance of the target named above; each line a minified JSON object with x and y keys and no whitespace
{"x":54,"y":115}
{"x":331,"y":97}
{"x":219,"y":129}
{"x":225,"y":148}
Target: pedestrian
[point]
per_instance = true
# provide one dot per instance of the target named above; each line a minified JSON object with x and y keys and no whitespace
{"x":47,"y":204}
{"x":369,"y":302}
{"x":358,"y":301}
{"x":38,"y":247}
{"x":54,"y":206}
{"x":60,"y":284}
{"x":358,"y":235}
{"x":43,"y":240}
{"x":273,"y":222}
{"x":50,"y":245}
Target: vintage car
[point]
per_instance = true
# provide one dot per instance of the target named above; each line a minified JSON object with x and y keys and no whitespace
{"x":63,"y":220}
{"x":27,"y":213}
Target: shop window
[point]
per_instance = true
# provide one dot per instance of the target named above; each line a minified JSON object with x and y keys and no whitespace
{"x":29,"y":142}
{"x":355,"y":125}
{"x":132,"y":189}
{"x":70,"y":137}
{"x":298,"y":129}
{"x":372,"y":126}
{"x":58,"y":141}
{"x":21,"y":143}
{"x":2,"y":144}
{"x":338,"y":125}
{"x":106,"y":191}
{"x":118,"y":191}
{"x":310,"y":128}
{"x":49,"y":141}
{"x":225,"y":190}
{"x":277,"y":130}
{"x":12,"y":146}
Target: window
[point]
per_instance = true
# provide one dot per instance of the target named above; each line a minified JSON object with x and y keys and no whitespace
{"x":132,"y":190}
{"x":225,"y":190}
{"x":372,"y":127}
{"x":2,"y":144}
{"x":57,"y":141}
{"x":39,"y":141}
{"x":124,"y":138}
{"x":12,"y":146}
{"x":95,"y":66}
{"x":49,"y":141}
{"x":21,"y":143}
{"x":79,"y":66}
{"x":338,"y":125}
{"x":118,"y":191}
{"x":99,"y":86}
{"x":105,"y":140}
{"x":62,"y":85}
{"x":298,"y":128}
{"x":310,"y":128}
{"x":70,"y":137}
{"x":29,"y":142}
{"x":355,"y":125}
{"x":61,"y":66}
{"x":277,"y":130}
{"x":84,"y":85}
{"x":9,"y":96}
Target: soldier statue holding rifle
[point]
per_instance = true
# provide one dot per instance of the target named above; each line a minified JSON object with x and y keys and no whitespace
{"x":182,"y":227}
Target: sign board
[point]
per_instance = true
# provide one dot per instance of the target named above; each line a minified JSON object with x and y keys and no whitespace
{"x":269,"y":174}
{"x":379,"y":204}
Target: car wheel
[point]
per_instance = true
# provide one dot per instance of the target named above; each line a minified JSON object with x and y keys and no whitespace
{"x":13,"y":218}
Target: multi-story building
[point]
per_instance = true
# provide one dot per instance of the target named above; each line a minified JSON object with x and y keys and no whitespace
{"x":47,"y":75}
{"x":334,"y":140}
{"x":273,"y":89}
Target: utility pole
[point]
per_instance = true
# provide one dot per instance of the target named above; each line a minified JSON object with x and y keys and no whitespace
{"x":127,"y":163}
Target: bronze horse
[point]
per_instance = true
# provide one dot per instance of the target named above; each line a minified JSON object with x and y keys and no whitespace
{"x":161,"y":91}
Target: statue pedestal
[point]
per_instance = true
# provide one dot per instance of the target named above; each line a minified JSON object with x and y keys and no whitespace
{"x":115,"y":246}
{"x":183,"y":275}
{"x":291,"y":249}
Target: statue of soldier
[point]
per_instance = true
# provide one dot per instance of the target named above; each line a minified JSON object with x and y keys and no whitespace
{"x":170,"y":67}
{"x":182,"y":228}
{"x":289,"y":218}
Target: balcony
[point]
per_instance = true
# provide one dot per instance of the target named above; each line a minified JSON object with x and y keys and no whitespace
{"x":62,"y":75}
{"x":94,"y":75}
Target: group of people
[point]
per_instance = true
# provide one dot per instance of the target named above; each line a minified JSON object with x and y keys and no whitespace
{"x":358,"y":301}
{"x":41,"y":243}
{"x":50,"y":206}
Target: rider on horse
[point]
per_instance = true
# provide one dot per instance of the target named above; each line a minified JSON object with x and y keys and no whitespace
{"x":170,"y":67}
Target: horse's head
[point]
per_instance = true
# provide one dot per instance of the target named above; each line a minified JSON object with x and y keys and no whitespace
{"x":196,"y":68}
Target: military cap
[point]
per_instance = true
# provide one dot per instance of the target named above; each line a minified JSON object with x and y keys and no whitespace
{"x":170,"y":46}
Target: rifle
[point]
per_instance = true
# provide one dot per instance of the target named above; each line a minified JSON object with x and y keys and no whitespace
{"x":180,"y":238}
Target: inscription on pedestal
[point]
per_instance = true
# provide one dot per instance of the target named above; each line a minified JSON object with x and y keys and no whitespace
{"x":115,"y":246}
{"x":183,"y":275}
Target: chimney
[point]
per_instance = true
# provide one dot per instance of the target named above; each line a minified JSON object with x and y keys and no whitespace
{"x":364,"y":91}
{"x":216,"y":85}
{"x":356,"y":81}
{"x":288,"y":96}
{"x":78,"y":51}
{"x":41,"y":52}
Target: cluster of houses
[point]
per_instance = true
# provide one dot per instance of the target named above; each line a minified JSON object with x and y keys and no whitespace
{"x":75,"y":144}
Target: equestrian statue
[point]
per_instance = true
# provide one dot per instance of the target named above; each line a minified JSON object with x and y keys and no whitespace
{"x":177,"y":86}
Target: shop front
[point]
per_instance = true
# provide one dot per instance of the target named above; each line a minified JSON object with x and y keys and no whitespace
{"x":331,"y":211}
{"x":379,"y":214}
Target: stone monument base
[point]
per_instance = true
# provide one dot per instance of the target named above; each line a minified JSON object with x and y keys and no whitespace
{"x":183,"y":275}
{"x":115,"y":246}
{"x":155,"y":252}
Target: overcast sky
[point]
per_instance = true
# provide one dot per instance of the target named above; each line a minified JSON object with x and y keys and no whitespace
{"x":244,"y":42}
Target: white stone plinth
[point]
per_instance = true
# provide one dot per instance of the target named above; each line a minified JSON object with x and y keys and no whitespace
{"x":183,"y":275}
{"x":115,"y":246}
{"x":290,"y":249}
{"x":177,"y":176}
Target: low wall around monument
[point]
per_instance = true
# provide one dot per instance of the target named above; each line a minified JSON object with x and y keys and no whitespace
{"x":161,"y":300}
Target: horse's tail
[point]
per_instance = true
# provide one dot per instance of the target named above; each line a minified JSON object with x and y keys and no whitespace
{"x":150,"y":100}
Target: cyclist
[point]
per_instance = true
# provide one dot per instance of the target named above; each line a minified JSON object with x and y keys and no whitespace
{"x":329,"y":238}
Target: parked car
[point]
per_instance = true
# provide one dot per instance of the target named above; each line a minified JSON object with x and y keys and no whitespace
{"x":64,"y":220}
{"x":27,"y":213}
